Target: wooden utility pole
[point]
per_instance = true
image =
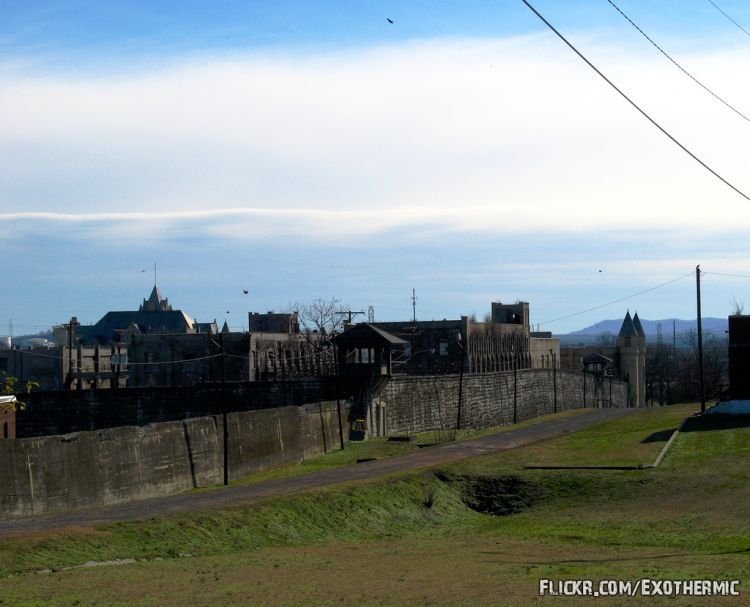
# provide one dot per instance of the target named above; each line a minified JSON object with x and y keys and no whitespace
{"x":700,"y":339}
{"x":71,"y":336}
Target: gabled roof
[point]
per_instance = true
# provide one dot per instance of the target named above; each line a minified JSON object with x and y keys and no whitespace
{"x":104,"y":331}
{"x":628,"y":328}
{"x":596,"y":358}
{"x":366,"y":335}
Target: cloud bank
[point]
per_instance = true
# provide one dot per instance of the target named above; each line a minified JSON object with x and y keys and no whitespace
{"x":510,"y":135}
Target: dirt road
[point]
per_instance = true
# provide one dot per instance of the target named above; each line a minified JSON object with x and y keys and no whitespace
{"x":224,"y":496}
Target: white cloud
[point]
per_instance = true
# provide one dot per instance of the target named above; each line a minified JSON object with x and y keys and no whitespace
{"x":494,"y":135}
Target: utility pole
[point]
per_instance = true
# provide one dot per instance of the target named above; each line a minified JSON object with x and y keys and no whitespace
{"x":460,"y":381}
{"x":554,"y":381}
{"x":515,"y":387}
{"x":225,"y":425}
{"x":338,"y":394}
{"x":71,"y":329}
{"x":224,"y":407}
{"x":351,"y":314}
{"x":700,"y":339}
{"x":414,"y":306}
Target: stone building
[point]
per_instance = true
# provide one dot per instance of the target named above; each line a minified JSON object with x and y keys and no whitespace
{"x":280,"y":350}
{"x":504,"y":343}
{"x":42,"y":365}
{"x":154,"y":316}
{"x":628,"y":356}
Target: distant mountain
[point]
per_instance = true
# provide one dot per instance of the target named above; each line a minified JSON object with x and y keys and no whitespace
{"x":590,"y":334}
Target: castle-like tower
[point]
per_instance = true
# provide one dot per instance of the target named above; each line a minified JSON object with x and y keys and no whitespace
{"x":631,"y":344}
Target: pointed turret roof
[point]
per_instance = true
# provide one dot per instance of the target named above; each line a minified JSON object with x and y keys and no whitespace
{"x":225,"y":328}
{"x":155,"y":303}
{"x":638,"y":326}
{"x":628,"y":328}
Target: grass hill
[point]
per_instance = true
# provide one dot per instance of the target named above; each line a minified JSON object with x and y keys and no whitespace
{"x":482,"y":532}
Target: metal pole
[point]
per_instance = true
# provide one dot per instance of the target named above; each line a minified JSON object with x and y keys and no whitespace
{"x":460,"y":392}
{"x":69,"y":377}
{"x":700,"y":339}
{"x":584,"y":387}
{"x":515,"y":391}
{"x":224,"y":410}
{"x":338,"y":394}
{"x":460,"y":383}
{"x":554,"y":381}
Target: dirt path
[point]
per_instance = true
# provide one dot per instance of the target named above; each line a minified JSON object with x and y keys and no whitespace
{"x":224,"y":496}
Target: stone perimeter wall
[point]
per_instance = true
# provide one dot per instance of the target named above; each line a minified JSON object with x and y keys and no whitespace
{"x":423,"y":403}
{"x":57,"y":473}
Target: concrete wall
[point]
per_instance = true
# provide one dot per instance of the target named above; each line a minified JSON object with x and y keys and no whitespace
{"x":115,"y":465}
{"x":418,"y":404}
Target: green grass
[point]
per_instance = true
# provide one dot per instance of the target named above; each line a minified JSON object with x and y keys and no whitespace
{"x":414,"y":540}
{"x":381,"y":447}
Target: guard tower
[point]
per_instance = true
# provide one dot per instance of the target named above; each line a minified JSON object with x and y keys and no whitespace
{"x":365,"y":351}
{"x":631,"y":344}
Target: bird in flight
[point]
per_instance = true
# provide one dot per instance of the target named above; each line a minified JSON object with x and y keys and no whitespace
{"x":244,"y":291}
{"x":389,"y":20}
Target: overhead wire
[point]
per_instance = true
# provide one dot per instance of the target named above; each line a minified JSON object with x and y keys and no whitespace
{"x":716,"y":6}
{"x":682,"y":69}
{"x":728,"y":275}
{"x":621,"y":299}
{"x":635,"y":105}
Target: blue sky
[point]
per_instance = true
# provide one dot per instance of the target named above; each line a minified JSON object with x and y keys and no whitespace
{"x":313,"y":149}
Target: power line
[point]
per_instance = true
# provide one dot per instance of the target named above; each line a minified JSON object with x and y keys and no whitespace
{"x":634,"y":104}
{"x":174,"y":362}
{"x":609,"y":303}
{"x":682,"y":69}
{"x":39,"y":354}
{"x":728,"y":17}
{"x":129,"y":364}
{"x":729,"y":275}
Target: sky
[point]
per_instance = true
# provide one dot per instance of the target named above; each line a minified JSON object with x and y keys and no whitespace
{"x":313,"y":149}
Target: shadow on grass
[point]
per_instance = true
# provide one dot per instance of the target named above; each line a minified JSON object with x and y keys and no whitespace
{"x":703,"y":423}
{"x":662,"y":436}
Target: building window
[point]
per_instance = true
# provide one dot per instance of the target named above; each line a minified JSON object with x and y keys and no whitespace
{"x":5,"y":429}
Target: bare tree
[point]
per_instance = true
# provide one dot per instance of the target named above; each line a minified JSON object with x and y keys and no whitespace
{"x":320,"y":318}
{"x":605,"y":339}
{"x":739,"y":307}
{"x":715,"y":358}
